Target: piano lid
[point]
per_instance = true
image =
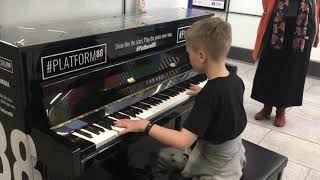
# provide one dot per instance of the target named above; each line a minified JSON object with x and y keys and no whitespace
{"x":22,"y":35}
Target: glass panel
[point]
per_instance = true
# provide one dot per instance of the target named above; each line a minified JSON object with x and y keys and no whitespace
{"x":253,"y":7}
{"x":13,"y":12}
{"x":32,"y":33}
{"x":86,"y":94}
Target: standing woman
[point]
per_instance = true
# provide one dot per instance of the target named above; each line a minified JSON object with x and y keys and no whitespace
{"x":287,"y":31}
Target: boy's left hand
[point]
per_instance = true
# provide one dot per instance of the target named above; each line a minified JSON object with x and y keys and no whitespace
{"x":131,"y":125}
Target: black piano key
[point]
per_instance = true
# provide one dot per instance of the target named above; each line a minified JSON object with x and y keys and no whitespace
{"x":169,"y":93}
{"x":184,"y":85}
{"x":106,"y":119}
{"x":119,"y":116}
{"x":156,"y":100}
{"x":182,"y":88}
{"x":146,"y":101}
{"x":142,"y":106}
{"x":123,"y":116}
{"x":97,"y":128}
{"x":138,"y":103}
{"x":173,"y":92}
{"x":137,"y":110}
{"x":166,"y":94}
{"x":129,"y":113}
{"x":84,"y":134}
{"x":151,"y":100}
{"x":133,"y":113}
{"x":92,"y":130}
{"x":162,"y":97}
{"x":130,"y":110}
{"x":104,"y":124}
{"x":176,"y":89}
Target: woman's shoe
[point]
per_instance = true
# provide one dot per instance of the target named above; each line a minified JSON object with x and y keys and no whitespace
{"x":280,"y":117}
{"x":264,"y":113}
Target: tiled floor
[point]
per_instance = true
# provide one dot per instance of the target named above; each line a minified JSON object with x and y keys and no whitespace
{"x":299,"y":140}
{"x":315,"y":54}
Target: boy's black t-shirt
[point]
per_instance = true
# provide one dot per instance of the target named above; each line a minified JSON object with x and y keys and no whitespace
{"x":218,"y":114}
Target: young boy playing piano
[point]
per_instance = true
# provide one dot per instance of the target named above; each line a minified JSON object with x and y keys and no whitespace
{"x":217,"y":118}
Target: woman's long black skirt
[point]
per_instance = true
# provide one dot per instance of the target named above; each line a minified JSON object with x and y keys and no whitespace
{"x":280,"y":76}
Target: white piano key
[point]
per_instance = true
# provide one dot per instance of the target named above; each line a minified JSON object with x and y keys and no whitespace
{"x":117,"y":128}
{"x":113,"y":118}
{"x":132,"y":118}
{"x":98,"y":140}
{"x":166,"y":104}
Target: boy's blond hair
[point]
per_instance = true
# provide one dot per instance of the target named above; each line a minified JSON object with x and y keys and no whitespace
{"x":212,"y":34}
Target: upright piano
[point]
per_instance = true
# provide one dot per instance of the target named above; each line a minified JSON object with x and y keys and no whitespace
{"x":63,"y":84}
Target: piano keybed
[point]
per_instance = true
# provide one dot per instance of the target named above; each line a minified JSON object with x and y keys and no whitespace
{"x":101,"y":130}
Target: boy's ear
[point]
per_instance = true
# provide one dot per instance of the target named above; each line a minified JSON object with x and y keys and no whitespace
{"x":203,"y":56}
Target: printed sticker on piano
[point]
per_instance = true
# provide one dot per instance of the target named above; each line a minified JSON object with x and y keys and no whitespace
{"x":181,"y":34}
{"x":6,"y":64}
{"x":71,"y":61}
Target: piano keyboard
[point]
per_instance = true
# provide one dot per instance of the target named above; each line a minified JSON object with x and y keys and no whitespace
{"x":102,"y":131}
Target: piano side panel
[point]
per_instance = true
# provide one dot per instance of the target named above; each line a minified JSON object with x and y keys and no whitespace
{"x":54,"y":153}
{"x":17,"y":151}
{"x":11,"y":88}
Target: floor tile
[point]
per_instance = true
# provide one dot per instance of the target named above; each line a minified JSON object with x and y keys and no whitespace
{"x":251,"y":110}
{"x":314,"y":175}
{"x":248,"y":75}
{"x":255,"y":133}
{"x":308,"y":110}
{"x":295,"y":171}
{"x":315,"y":54}
{"x":308,"y":83}
{"x":307,"y":129}
{"x":297,"y":150}
{"x":248,"y":100}
{"x":299,"y":140}
{"x":312,"y":94}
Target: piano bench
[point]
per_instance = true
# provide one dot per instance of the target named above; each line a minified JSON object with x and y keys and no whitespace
{"x":262,"y":164}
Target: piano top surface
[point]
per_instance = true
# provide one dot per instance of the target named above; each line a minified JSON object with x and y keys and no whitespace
{"x":23,"y":35}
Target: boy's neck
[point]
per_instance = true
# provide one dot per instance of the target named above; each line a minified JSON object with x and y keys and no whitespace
{"x":216,"y":69}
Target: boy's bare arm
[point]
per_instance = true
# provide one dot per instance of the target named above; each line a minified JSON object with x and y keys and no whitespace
{"x":178,"y":139}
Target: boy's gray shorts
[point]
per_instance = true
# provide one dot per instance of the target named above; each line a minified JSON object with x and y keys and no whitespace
{"x":205,"y":162}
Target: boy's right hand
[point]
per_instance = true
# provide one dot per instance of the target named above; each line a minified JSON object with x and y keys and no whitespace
{"x":194,"y":90}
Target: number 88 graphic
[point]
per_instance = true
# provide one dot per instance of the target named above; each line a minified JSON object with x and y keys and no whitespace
{"x":99,"y":53}
{"x":24,"y":163}
{"x":6,"y":172}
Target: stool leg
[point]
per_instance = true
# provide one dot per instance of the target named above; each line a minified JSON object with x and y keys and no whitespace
{"x":177,"y":123}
